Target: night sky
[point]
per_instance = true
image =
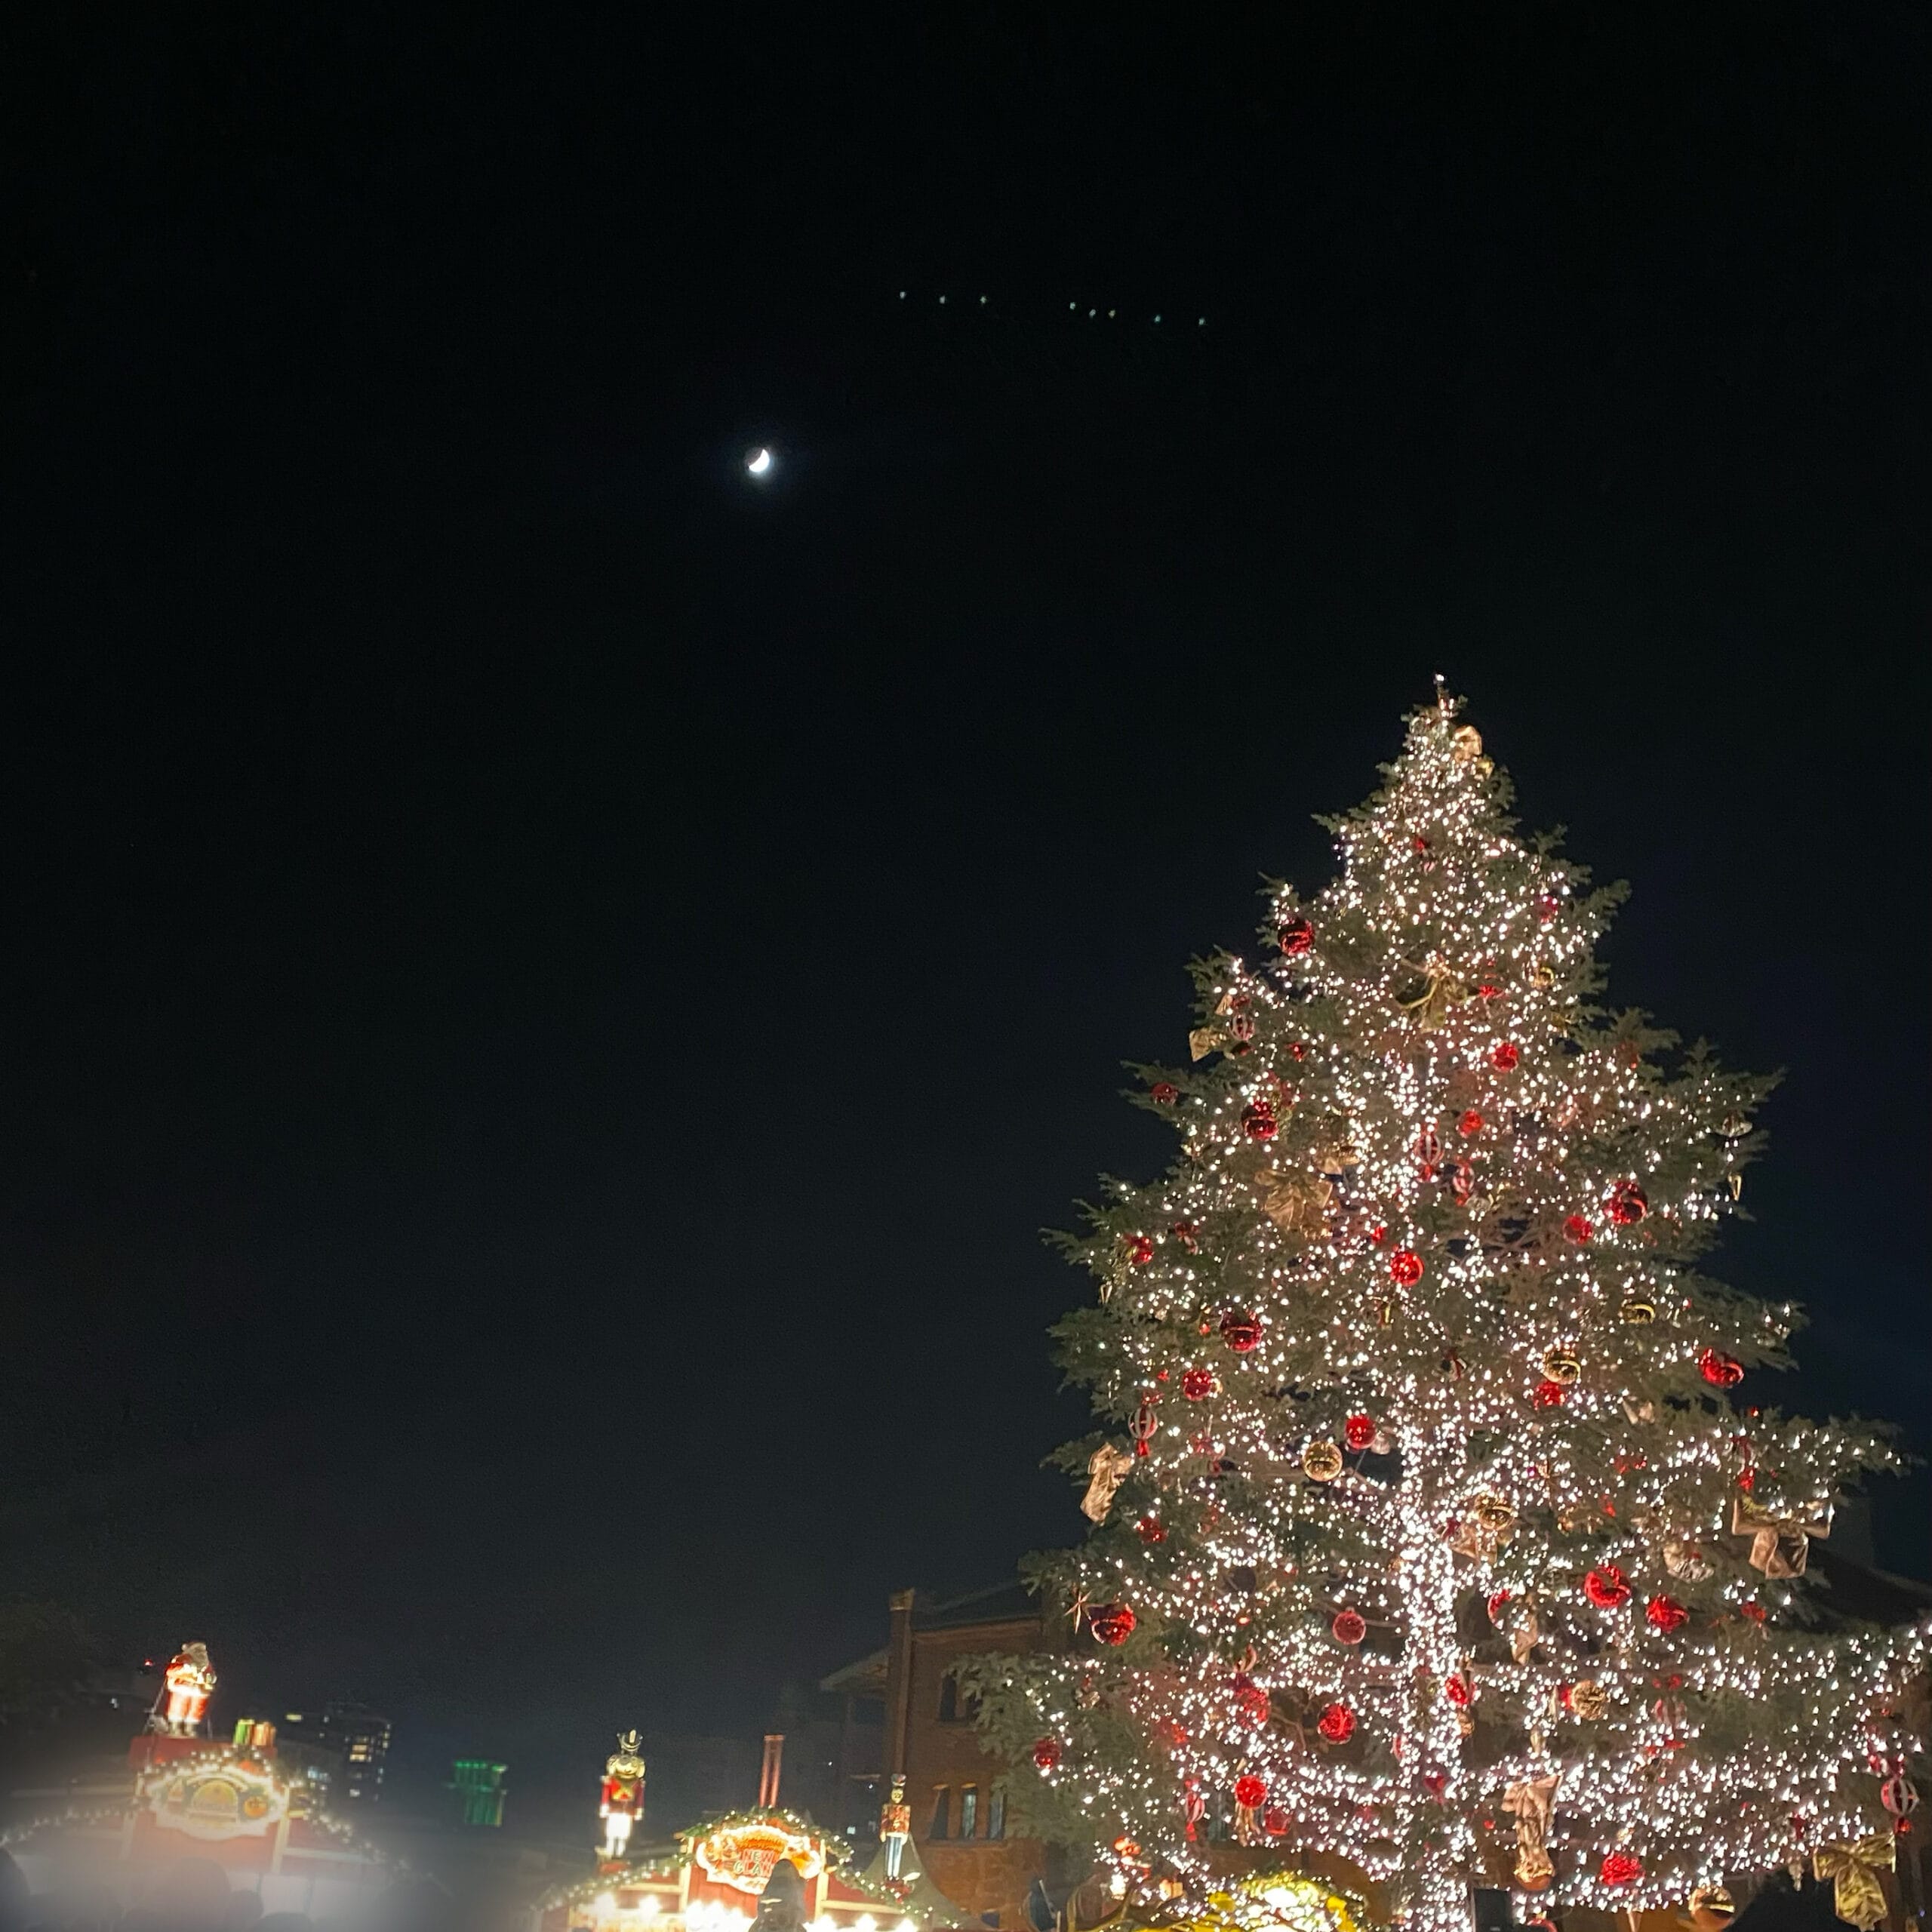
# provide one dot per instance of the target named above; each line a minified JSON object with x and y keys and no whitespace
{"x":551,"y":989}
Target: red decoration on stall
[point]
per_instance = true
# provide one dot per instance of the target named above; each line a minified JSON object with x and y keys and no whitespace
{"x":1250,"y":1790}
{"x":1547,"y":1394}
{"x":1143,"y":1423}
{"x":1151,"y":1529}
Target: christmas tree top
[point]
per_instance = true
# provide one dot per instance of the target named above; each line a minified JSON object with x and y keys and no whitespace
{"x":1448,"y":1533}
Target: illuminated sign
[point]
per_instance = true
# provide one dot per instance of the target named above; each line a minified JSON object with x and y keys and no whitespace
{"x":742,"y":1856}
{"x":225,"y":1798}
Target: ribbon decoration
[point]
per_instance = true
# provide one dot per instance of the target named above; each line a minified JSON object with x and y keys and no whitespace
{"x":1441,"y":993}
{"x":1108,"y":1467}
{"x":1853,"y":1866}
{"x":1297,"y":1204}
{"x":1780,"y":1545}
{"x":1531,"y":1804}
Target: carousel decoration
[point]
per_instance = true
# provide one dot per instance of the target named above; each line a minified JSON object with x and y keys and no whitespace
{"x":621,"y":1802}
{"x":189,"y":1682}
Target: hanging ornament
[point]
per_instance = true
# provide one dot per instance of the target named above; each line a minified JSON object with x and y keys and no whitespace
{"x":1297,"y":1204}
{"x":1358,"y":1431}
{"x":1241,"y":1330}
{"x":1853,"y":1866}
{"x":1710,"y":1909}
{"x":1458,"y":1691}
{"x":1588,"y":1699}
{"x":1547,"y":1394}
{"x":1187,"y":1234}
{"x":1734,"y":1180}
{"x":1576,"y":1229}
{"x":1504,"y":1056}
{"x":1143,"y":1423}
{"x":1462,"y":1181}
{"x":1442,"y":993}
{"x":1465,"y":744}
{"x":1605,"y":1587}
{"x":1046,"y":1754}
{"x":1531,"y":1803}
{"x":1251,"y":1793}
{"x":1202,"y":1040}
{"x":1665,"y":1613}
{"x":1151,"y":1529}
{"x":1898,"y":1796}
{"x":1546,"y":908}
{"x":1734,"y":1126}
{"x":1349,"y":1627}
{"x":1112,"y":1623}
{"x":1198,"y":1384}
{"x":1686,"y":1562}
{"x":1140,"y":1250}
{"x":1780,"y":1546}
{"x":1429,"y":1151}
{"x":1193,"y":1808}
{"x":1620,"y":1868}
{"x":1250,"y":1700}
{"x":1720,"y":1371}
{"x":1335,"y":1151}
{"x":1561,"y":1365}
{"x":1165,"y":1093}
{"x":1405,"y":1268}
{"x":1470,"y":1124}
{"x":1274,"y":1822}
{"x":1628,"y":1204}
{"x":1321,"y":1461}
{"x":1106,"y":1469}
{"x":1534,"y":1870}
{"x":1258,"y":1121}
{"x":1637,"y":1311}
{"x":1336,"y":1724}
{"x":1295,"y":936}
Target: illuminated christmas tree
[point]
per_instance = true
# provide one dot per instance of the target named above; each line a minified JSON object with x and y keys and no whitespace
{"x":1448,"y":1534}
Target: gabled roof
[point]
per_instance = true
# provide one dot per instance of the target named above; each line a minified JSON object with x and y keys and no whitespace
{"x":996,"y":1603}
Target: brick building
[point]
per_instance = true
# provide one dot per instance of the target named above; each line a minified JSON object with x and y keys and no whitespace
{"x":904,"y":1713}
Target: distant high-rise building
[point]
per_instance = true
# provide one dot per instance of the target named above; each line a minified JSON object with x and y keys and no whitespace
{"x":357,"y":1735}
{"x":478,"y":1784}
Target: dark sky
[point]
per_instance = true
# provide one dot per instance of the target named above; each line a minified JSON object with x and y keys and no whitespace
{"x":550,"y":990}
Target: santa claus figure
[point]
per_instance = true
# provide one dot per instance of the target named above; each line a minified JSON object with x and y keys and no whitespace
{"x":187,"y":1686}
{"x":623,"y":1794}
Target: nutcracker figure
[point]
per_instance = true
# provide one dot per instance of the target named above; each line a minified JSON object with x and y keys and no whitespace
{"x":895,"y":1826}
{"x":186,"y":1685}
{"x":623,"y":1794}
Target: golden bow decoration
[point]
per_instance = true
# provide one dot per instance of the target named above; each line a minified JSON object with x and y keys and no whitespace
{"x":1109,"y":1467}
{"x":1531,"y":1803}
{"x":1853,"y":1866}
{"x":1779,"y":1544}
{"x":1297,"y":1204}
{"x":1442,"y":992}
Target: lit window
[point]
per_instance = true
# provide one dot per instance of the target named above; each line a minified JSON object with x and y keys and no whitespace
{"x":969,"y":1810}
{"x":942,"y":1812}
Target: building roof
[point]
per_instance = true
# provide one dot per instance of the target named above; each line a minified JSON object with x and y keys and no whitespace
{"x":996,"y":1603}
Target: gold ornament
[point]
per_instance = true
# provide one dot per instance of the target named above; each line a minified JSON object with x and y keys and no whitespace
{"x":1203,"y":1040}
{"x":1531,"y":1804}
{"x":1710,"y":1908}
{"x":1780,"y":1545}
{"x":1686,"y":1562}
{"x":1493,"y":1513}
{"x":1108,"y":1467}
{"x":1736,"y":1179}
{"x":1481,"y":1533}
{"x":1542,"y":975}
{"x":1523,"y":1637}
{"x":1465,"y":1723}
{"x":1442,"y":992}
{"x":1465,"y":744}
{"x":1589,"y":1700}
{"x":1533,"y":1869}
{"x":1735,"y":1127}
{"x":1321,"y":1461}
{"x":1637,"y":1311}
{"x":1297,"y":1204}
{"x":1561,"y":1365}
{"x":1853,"y":1866}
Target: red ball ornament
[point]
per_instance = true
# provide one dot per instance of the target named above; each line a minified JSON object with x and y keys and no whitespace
{"x":1250,"y":1790}
{"x":1621,"y":1868}
{"x":1112,"y":1623}
{"x":1435,"y":1782}
{"x":1503,"y":1056}
{"x":1241,"y":1330}
{"x":1628,"y":1204}
{"x":1198,"y":1384}
{"x":1720,"y":1371}
{"x":1336,"y":1724}
{"x":1349,"y":1627}
{"x":1258,"y":1121}
{"x":1405,"y":1268}
{"x":1755,"y":1611}
{"x":1470,"y":1125}
{"x":1666,"y":1613}
{"x":1165,"y":1092}
{"x":1547,"y":1394}
{"x":1274,"y":1822}
{"x":1576,"y":1228}
{"x":1140,"y":1250}
{"x":1250,"y":1700}
{"x":1358,"y":1431}
{"x":1494,"y":1606}
{"x":1546,"y":908}
{"x":1295,"y":935}
{"x":1046,"y":1753}
{"x":1606,"y":1588}
{"x":1457,"y":1690}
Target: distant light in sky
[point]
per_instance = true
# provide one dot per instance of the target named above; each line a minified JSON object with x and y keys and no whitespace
{"x":759,"y":461}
